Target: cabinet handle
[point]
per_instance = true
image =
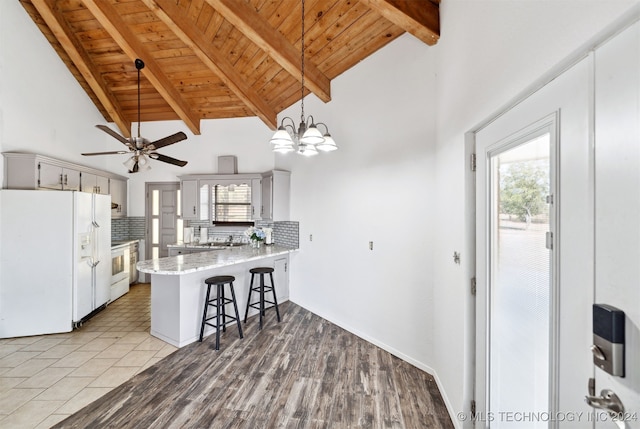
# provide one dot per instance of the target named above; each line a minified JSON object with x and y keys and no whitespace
{"x":65,"y":180}
{"x":253,"y":210}
{"x":194,"y":209}
{"x":60,"y":179}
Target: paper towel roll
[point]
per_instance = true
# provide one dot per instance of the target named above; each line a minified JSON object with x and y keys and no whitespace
{"x":187,"y":234}
{"x":204,"y":235}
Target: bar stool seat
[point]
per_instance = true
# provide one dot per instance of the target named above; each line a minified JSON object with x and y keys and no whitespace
{"x":220,"y":302}
{"x":262,"y":289}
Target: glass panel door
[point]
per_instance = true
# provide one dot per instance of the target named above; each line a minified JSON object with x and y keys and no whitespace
{"x":519,"y":281}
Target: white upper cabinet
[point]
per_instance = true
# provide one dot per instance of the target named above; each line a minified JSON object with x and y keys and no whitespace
{"x":33,"y":171}
{"x":94,"y":183}
{"x":256,"y":199}
{"x":276,"y":188}
{"x":189,"y":194}
{"x":118,"y":189}
{"x":269,"y":194}
{"x":56,"y":177}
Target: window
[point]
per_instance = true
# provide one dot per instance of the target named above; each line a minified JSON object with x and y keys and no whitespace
{"x":231,"y":204}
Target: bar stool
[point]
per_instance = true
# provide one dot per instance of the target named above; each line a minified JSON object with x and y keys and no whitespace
{"x":219,"y":302}
{"x":261,"y":289}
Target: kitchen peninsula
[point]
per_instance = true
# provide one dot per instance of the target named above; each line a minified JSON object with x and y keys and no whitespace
{"x":178,"y":289}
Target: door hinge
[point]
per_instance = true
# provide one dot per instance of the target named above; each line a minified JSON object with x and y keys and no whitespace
{"x":473,"y":162}
{"x":549,"y":240}
{"x":473,"y":286}
{"x":285,"y":267}
{"x":473,"y":410}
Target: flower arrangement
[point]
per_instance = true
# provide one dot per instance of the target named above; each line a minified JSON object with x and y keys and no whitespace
{"x":255,"y":234}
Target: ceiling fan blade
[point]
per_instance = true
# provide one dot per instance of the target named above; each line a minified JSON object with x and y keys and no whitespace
{"x":115,"y":152}
{"x":167,"y":159}
{"x":175,"y":138}
{"x":114,"y":134}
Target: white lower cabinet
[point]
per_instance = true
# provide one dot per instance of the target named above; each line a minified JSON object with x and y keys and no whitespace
{"x":281,"y":278}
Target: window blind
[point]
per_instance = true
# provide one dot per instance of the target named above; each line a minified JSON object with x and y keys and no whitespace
{"x":231,"y":203}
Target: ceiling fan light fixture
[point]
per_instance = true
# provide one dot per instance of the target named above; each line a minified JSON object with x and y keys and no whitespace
{"x":130,"y":163}
{"x":143,"y":162}
{"x":141,"y":149}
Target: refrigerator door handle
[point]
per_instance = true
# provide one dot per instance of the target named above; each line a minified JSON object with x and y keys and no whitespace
{"x":94,"y":236}
{"x":96,"y":240}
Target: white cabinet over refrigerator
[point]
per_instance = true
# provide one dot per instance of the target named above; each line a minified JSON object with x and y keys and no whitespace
{"x":55,"y":258}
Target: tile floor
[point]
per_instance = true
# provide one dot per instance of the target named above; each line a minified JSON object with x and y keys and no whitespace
{"x":44,"y":379}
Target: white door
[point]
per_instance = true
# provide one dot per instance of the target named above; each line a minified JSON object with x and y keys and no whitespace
{"x":617,"y":206}
{"x":534,"y":259}
{"x":164,"y":220}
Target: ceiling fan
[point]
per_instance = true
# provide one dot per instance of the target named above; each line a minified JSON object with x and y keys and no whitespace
{"x":140,"y":148}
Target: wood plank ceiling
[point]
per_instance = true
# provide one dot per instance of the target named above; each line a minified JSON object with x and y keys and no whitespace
{"x":218,"y":58}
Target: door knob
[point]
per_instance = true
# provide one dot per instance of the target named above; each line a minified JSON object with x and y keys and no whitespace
{"x":608,"y":401}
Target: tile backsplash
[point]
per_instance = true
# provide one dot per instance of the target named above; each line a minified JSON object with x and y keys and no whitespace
{"x":284,"y":233}
{"x":128,"y":228}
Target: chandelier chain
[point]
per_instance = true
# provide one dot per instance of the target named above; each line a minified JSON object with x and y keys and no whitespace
{"x":302,"y":67}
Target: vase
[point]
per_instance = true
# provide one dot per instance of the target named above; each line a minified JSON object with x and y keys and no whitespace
{"x":256,"y":244}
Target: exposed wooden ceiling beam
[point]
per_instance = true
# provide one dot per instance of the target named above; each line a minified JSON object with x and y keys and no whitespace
{"x":418,"y":17}
{"x":128,"y":42}
{"x":77,"y":54}
{"x":270,"y":40}
{"x":186,"y":31}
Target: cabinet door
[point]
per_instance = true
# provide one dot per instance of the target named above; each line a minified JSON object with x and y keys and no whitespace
{"x":275,"y":195}
{"x":49,"y":176}
{"x":87,"y":182}
{"x":256,"y":199}
{"x":281,"y":278}
{"x":280,"y":190}
{"x":118,"y":190}
{"x":102,"y":185}
{"x":189,"y":196}
{"x":70,"y":180}
{"x":267,"y":192}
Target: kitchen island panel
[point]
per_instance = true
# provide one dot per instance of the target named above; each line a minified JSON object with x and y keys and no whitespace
{"x":177,"y":300}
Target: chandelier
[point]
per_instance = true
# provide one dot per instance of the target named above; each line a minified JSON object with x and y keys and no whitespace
{"x":308,"y":139}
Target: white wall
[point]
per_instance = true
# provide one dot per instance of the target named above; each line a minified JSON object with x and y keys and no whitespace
{"x":489,"y":52}
{"x":398,"y":179}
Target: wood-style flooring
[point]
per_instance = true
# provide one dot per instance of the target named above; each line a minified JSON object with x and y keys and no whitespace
{"x":304,"y":372}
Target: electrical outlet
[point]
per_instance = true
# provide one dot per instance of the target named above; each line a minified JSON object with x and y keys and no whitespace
{"x":371,"y":245}
{"x":310,"y":237}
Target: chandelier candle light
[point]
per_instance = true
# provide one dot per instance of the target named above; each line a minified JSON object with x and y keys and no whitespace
{"x":308,"y":138}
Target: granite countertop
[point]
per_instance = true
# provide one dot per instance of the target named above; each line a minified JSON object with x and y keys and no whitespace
{"x":184,"y":264}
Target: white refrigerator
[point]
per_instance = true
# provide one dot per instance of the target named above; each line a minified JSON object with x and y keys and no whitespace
{"x":55,"y":259}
